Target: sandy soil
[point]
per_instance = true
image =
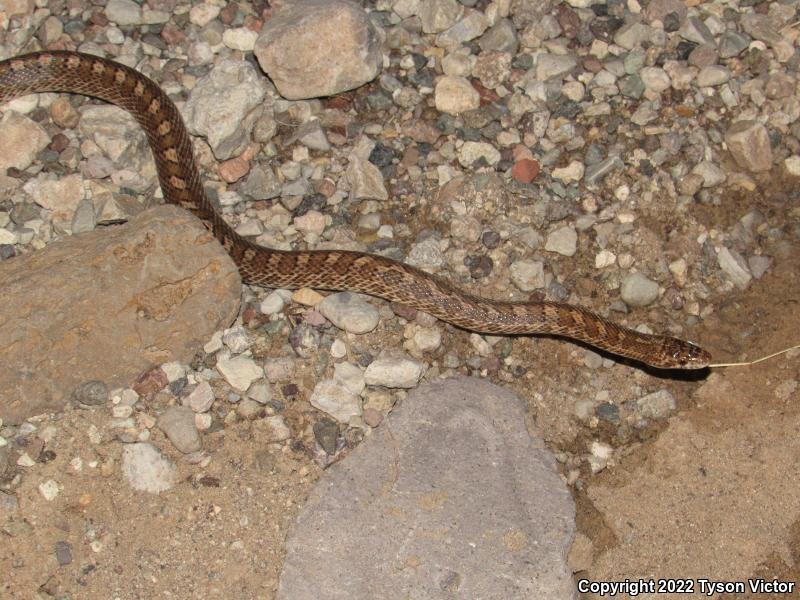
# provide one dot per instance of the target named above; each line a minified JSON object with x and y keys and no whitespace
{"x":711,"y":494}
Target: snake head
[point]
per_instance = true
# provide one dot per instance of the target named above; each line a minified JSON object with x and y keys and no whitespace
{"x":679,"y":354}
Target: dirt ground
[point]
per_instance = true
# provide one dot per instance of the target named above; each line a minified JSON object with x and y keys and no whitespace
{"x":714,"y":495}
{"x":710,"y":494}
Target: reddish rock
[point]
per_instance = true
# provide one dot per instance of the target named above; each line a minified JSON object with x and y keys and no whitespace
{"x":487,"y":96}
{"x":151,"y":381}
{"x":525,"y":170}
{"x":173,"y":35}
{"x":234,"y":169}
{"x":409,"y":313}
{"x":325,"y":186}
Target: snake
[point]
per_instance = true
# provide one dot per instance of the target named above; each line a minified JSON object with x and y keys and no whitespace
{"x":331,"y":270}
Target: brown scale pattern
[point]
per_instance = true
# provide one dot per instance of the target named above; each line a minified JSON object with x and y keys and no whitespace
{"x":331,"y":270}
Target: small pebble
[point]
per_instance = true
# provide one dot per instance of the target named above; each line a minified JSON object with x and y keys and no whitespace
{"x":177,"y":423}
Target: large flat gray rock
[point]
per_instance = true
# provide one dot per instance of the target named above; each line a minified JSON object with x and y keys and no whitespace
{"x":449,"y":498}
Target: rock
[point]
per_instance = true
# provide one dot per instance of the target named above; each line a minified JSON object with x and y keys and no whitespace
{"x":696,"y":31}
{"x":604,"y":258}
{"x":549,"y":66}
{"x":638,"y":290}
{"x":349,"y":312}
{"x":146,"y":469}
{"x":201,"y":398}
{"x":122,"y":141}
{"x":124,"y":12}
{"x":528,"y":275}
{"x":426,"y":339}
{"x":501,"y":37}
{"x":63,"y":553}
{"x":261,"y":392}
{"x":759,"y":265}
{"x":91,"y":393}
{"x":272,"y":304}
{"x":713,"y":75}
{"x":732,"y":43}
{"x":633,"y":34}
{"x":438,"y":15}
{"x":22,"y":139}
{"x":236,"y":339}
{"x":336,"y":399}
{"x":563,"y":240}
{"x":471,"y":152}
{"x":581,"y":554}
{"x":572,"y":172}
{"x":458,"y":63}
{"x":455,"y":95}
{"x":631,"y":86}
{"x":600,"y":455}
{"x":84,"y":218}
{"x":222,"y":106}
{"x":319,"y":48}
{"x":6,"y":464}
{"x":595,"y":173}
{"x":468,"y":28}
{"x":240,"y":371}
{"x":249,"y":410}
{"x":233,"y":170}
{"x":274,"y":429}
{"x":394,"y":372}
{"x":658,"y":10}
{"x":657,"y":405}
{"x":734,"y":266}
{"x":761,"y":27}
{"x":312,"y":136}
{"x":452,"y":498}
{"x":49,"y":489}
{"x":18,"y":8}
{"x":62,"y":196}
{"x":655,"y":79}
{"x":792,"y":164}
{"x":150,"y":381}
{"x":711,"y":174}
{"x":177,"y":423}
{"x":525,"y":170}
{"x":202,"y":14}
{"x":749,"y":144}
{"x":261,"y":184}
{"x":679,"y":269}
{"x":166,"y":281}
{"x":312,"y":222}
{"x":426,"y":255}
{"x":240,"y":38}
{"x":702,"y":57}
{"x":350,"y":376}
{"x":366,"y":180}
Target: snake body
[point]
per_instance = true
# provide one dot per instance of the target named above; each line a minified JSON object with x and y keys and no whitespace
{"x":64,"y":71}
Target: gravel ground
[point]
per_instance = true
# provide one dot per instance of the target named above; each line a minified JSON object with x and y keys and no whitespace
{"x":641,"y":160}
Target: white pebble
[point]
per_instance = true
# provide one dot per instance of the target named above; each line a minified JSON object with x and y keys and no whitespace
{"x":338,"y":349}
{"x":239,"y":372}
{"x":272,"y":304}
{"x":48,"y":489}
{"x":604,"y":258}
